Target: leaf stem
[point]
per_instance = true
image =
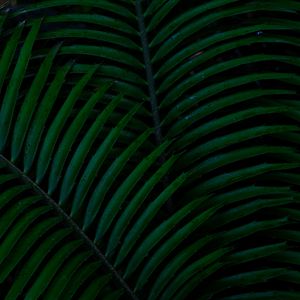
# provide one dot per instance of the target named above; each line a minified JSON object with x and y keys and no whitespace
{"x":152,"y":89}
{"x":149,"y":72}
{"x":70,"y":222}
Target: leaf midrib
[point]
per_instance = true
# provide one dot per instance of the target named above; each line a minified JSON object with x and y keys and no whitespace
{"x":35,"y":187}
{"x":152,"y":91}
{"x":149,"y":73}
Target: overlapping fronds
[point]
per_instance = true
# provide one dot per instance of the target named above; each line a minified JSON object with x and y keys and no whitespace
{"x":150,"y":150}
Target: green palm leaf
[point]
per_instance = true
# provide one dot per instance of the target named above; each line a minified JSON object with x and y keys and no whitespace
{"x":149,"y":149}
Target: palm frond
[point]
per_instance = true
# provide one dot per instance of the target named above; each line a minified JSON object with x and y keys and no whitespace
{"x":149,"y":150}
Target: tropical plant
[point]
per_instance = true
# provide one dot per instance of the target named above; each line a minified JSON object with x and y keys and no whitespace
{"x":149,"y":150}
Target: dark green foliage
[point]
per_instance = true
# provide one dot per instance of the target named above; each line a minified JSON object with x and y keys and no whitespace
{"x":150,"y":150}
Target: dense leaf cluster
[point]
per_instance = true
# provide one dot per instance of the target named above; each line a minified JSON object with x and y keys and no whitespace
{"x":150,"y":150}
